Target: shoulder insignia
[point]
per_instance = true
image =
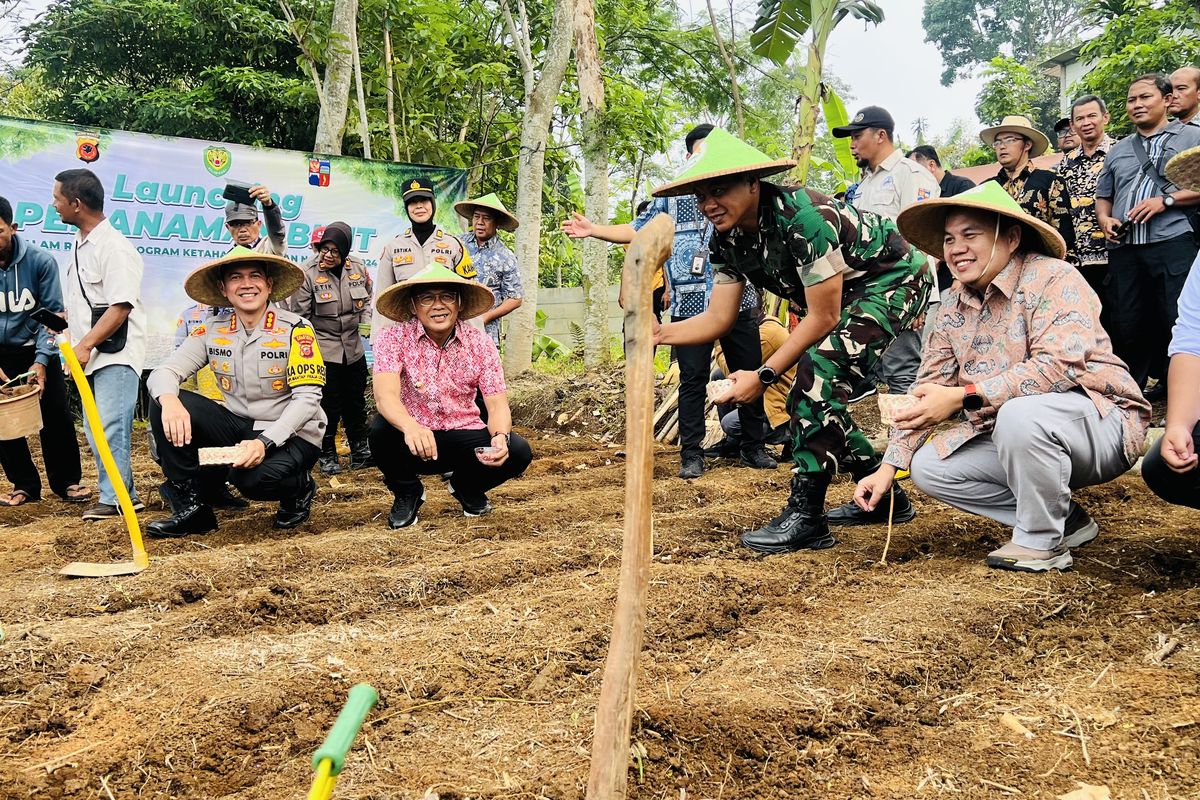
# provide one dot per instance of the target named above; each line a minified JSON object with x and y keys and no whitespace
{"x":305,"y":366}
{"x":269,"y":321}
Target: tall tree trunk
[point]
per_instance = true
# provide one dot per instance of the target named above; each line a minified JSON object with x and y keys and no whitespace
{"x":595,"y":175}
{"x":390,"y":70}
{"x":810,"y":91}
{"x":331,"y":123}
{"x":541,"y":96}
{"x":729,"y":66}
{"x":362,"y":100}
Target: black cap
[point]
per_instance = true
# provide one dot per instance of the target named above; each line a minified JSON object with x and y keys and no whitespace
{"x":1062,"y":124}
{"x":416,"y":189}
{"x":869,"y":117}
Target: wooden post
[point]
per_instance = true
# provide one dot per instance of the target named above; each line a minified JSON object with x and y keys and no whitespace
{"x":614,"y":712}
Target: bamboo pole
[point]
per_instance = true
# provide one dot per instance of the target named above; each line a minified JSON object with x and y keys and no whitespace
{"x":609,"y":770}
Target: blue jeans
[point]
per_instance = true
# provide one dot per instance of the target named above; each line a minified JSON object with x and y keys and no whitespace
{"x":116,"y":391}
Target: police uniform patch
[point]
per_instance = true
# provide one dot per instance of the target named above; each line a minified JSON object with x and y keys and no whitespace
{"x":278,"y":385}
{"x":325,"y":296}
{"x":465,"y":269}
{"x":222,"y":341}
{"x":226,"y":383}
{"x":440,"y":259}
{"x":359,"y":303}
{"x":355,"y":277}
{"x":274,"y":370}
{"x":305,"y":366}
{"x":274,"y":343}
{"x":323,"y":279}
{"x":200,"y":331}
{"x":922,"y":194}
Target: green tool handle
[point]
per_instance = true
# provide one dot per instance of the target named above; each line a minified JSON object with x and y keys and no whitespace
{"x":341,"y":737}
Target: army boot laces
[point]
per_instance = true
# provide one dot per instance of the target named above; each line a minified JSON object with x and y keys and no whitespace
{"x":189,"y":514}
{"x":360,"y":455}
{"x":294,"y":511}
{"x":801,"y":525}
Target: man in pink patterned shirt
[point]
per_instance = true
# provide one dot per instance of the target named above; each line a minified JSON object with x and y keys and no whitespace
{"x":427,"y":372}
{"x":1017,"y":350}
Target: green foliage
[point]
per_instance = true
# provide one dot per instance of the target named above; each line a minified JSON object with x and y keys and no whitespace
{"x":780,"y":24}
{"x":973,"y":32}
{"x":1013,"y":88}
{"x":1139,"y":37}
{"x":546,"y":346}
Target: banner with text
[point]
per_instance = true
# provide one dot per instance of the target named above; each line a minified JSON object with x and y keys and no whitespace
{"x":165,"y":194}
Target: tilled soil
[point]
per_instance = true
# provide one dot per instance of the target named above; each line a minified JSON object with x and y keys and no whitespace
{"x":217,"y":672}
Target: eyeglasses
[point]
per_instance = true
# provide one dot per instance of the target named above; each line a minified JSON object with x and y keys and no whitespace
{"x":427,"y":299}
{"x":1001,"y":141}
{"x":331,"y":250}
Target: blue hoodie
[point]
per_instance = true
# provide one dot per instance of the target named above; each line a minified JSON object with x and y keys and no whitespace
{"x":28,"y":283}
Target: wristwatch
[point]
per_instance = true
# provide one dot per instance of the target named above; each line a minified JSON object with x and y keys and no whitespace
{"x":1168,"y":200}
{"x":972,"y":400}
{"x":267,"y":443}
{"x":507,"y":437}
{"x":768,"y":376}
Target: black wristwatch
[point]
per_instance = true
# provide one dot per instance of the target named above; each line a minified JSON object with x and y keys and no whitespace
{"x":267,"y":443}
{"x":507,"y":437}
{"x":972,"y":400}
{"x":1168,"y":200}
{"x":768,"y":376}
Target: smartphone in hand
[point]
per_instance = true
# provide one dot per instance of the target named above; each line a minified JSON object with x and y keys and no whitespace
{"x":44,"y":316}
{"x":238,"y":192}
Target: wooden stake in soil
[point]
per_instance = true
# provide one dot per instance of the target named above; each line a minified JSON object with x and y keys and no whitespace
{"x":614,"y":713}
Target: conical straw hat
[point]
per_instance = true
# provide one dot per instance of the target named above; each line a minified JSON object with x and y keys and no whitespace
{"x":1020,"y":124}
{"x":505,"y":221}
{"x":1183,"y":170}
{"x":394,"y":303}
{"x":924,"y":223}
{"x":203,"y":284}
{"x":719,"y":154}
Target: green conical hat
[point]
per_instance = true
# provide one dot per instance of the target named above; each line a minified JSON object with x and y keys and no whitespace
{"x":204,"y":283}
{"x":393,"y":302}
{"x":719,"y":154}
{"x":505,"y":221}
{"x":924,"y":223}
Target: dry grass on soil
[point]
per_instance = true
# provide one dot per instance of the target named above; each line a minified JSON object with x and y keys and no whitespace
{"x":216,"y":673}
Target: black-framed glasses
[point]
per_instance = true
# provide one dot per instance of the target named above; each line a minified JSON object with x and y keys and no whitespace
{"x":426,"y":299}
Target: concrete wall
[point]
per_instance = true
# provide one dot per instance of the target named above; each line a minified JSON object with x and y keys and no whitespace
{"x":564,"y":306}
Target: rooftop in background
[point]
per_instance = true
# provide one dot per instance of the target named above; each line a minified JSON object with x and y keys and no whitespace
{"x":982,"y":172}
{"x":1068,"y":69}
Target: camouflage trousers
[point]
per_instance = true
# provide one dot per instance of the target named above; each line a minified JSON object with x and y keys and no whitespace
{"x":874,"y":309}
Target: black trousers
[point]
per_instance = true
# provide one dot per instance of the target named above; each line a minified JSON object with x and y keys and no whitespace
{"x":456,"y":453}
{"x":1182,"y":490}
{"x":1144,"y":282}
{"x":282,"y":474}
{"x":743,"y":350}
{"x":345,"y":399}
{"x":60,"y":448}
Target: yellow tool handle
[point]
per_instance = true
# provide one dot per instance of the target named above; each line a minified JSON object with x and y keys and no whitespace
{"x":323,"y":783}
{"x":140,"y":558}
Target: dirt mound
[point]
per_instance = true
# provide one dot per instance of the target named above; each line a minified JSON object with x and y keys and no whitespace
{"x":217,"y":672}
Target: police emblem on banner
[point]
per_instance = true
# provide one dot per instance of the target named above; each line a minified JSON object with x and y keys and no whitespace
{"x":217,"y":160}
{"x":87,"y":147}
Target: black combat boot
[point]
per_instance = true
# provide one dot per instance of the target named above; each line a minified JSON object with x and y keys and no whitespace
{"x":189,"y":514}
{"x":851,"y":514}
{"x":801,"y":525}
{"x":294,"y":510}
{"x":360,"y":455}
{"x":329,"y":459}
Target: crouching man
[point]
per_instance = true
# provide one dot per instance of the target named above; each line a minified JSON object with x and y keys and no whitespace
{"x":427,"y":371}
{"x":1018,"y":349}
{"x":270,"y":373}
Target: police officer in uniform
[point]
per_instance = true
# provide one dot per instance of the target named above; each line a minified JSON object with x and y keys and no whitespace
{"x":336,"y":297}
{"x":423,"y":244}
{"x":270,"y":373}
{"x":242,"y":222}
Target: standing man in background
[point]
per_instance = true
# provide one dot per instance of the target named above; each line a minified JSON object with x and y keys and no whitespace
{"x":246,"y":230}
{"x":1066,"y":136}
{"x":1185,"y":95}
{"x":495,"y":265}
{"x":949,"y":183}
{"x":107,"y":324}
{"x":891,"y":183}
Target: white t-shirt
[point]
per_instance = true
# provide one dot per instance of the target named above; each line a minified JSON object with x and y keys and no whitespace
{"x":110,"y":269}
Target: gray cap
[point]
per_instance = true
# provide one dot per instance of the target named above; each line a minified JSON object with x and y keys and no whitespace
{"x":240,"y":212}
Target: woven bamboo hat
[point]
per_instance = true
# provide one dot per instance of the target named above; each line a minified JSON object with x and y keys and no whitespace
{"x":505,"y":220}
{"x":720,"y":154}
{"x":1019,"y":124}
{"x":1183,"y":170}
{"x":394,"y":303}
{"x":204,"y":283}
{"x":924,"y":223}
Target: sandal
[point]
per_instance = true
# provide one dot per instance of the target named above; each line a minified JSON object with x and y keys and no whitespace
{"x":76,"y":494}
{"x":17,"y":497}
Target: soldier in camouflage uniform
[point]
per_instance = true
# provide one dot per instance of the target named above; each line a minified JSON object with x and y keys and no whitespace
{"x":859,"y":283}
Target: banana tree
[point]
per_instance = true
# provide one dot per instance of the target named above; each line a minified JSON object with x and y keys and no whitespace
{"x":779,"y":27}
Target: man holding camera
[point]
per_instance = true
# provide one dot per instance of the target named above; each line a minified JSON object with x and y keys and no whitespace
{"x":1151,"y":242}
{"x":107,"y":323}
{"x":241,"y":219}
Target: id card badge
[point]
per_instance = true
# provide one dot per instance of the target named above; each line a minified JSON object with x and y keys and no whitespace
{"x":699,"y":260}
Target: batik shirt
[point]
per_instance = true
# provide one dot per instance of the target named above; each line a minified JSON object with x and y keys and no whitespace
{"x":496,"y":268}
{"x":804,"y":238}
{"x":1034,"y":330}
{"x":1081,"y":172}
{"x":1043,"y":195}
{"x":689,"y":293}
